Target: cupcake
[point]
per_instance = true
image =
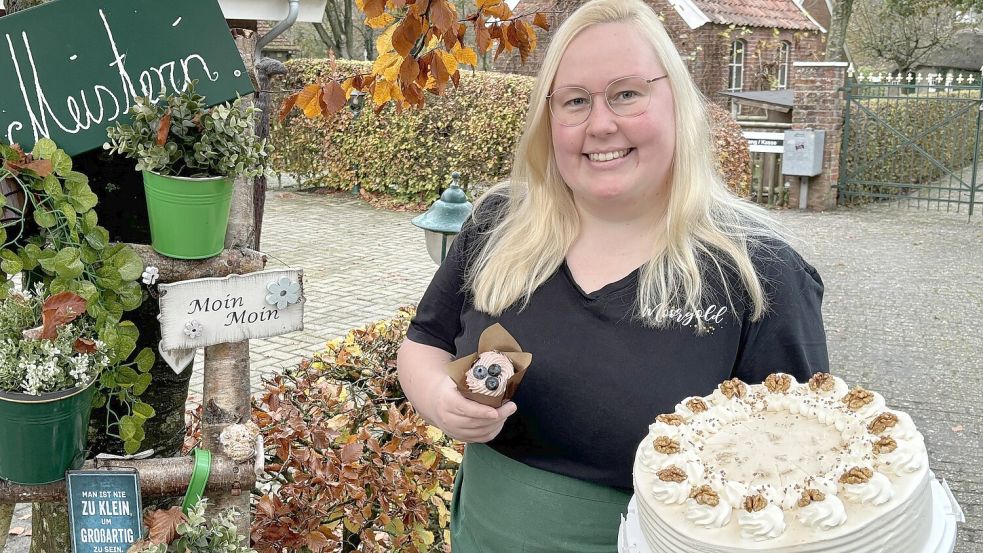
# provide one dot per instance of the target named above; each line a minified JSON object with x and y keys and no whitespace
{"x":491,"y":375}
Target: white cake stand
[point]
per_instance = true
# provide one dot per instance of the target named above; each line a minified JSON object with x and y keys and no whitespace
{"x":942,"y":538}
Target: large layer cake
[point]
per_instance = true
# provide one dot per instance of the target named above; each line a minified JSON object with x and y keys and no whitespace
{"x":783,"y":467}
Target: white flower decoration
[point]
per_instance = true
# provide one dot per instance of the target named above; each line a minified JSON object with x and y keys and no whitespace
{"x":282,"y":292}
{"x":193,"y":328}
{"x":150,"y":275}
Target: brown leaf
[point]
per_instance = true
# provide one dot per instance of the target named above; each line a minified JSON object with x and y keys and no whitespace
{"x":351,"y":452}
{"x":41,"y":167}
{"x":443,"y":15}
{"x":334,"y":97}
{"x":409,"y":70}
{"x":84,"y":345}
{"x":406,"y":35}
{"x":316,"y":541}
{"x":374,"y":8}
{"x":456,"y":79}
{"x":288,"y":104}
{"x":162,"y":524}
{"x":420,"y":7}
{"x":60,"y":309}
{"x":165,"y":127}
{"x":482,"y":35}
{"x":540,"y":21}
{"x":450,"y":39}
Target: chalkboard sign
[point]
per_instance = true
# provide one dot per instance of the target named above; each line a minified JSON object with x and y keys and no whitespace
{"x":71,"y":68}
{"x":104,"y":510}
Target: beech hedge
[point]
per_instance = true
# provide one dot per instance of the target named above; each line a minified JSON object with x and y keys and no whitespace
{"x":410,"y":156}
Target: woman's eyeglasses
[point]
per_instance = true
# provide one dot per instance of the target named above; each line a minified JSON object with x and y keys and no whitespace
{"x":627,"y":97}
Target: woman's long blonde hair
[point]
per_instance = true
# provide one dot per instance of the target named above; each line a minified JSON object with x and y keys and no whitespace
{"x":704,"y":224}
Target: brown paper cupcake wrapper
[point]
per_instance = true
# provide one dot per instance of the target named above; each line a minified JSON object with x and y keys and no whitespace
{"x":493,"y":338}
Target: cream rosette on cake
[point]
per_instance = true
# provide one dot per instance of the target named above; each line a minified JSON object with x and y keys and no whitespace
{"x":865,"y":486}
{"x":761,"y":520}
{"x":820,"y":510}
{"x":707,"y":509}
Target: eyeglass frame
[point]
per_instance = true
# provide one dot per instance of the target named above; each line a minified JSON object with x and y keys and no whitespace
{"x":591,"y":95}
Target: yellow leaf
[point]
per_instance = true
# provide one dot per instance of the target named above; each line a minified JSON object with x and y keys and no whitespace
{"x":335,"y":343}
{"x":380,"y":21}
{"x":422,"y":534}
{"x":313,"y":108}
{"x":387,"y":65}
{"x":450,"y":62}
{"x":354,"y":350}
{"x":343,"y":395}
{"x":465,"y":56}
{"x":360,"y":4}
{"x":482,"y":4}
{"x":442,"y":514}
{"x":451,"y":454}
{"x":540,"y":21}
{"x":382,"y":92}
{"x":428,"y":458}
{"x":384,"y":43}
{"x":351,"y":526}
{"x":434,"y":434}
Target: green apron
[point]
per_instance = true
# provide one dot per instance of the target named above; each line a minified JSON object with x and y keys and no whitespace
{"x":503,"y":506}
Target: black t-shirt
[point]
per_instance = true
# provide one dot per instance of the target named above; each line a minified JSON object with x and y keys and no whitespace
{"x":599,"y":376}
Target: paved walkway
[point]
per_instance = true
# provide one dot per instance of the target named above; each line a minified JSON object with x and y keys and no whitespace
{"x":903,"y":308}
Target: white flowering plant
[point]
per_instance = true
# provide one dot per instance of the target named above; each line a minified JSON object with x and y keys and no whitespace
{"x":47,"y":343}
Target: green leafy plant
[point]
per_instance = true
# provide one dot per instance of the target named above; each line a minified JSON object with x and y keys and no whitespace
{"x":178,"y":135}
{"x":47,"y":344}
{"x":72,"y":253}
{"x":170,"y":530}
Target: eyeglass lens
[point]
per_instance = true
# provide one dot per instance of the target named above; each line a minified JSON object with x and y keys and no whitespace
{"x":627,"y":97}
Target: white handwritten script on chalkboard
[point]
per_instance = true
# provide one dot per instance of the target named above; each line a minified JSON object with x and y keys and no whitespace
{"x":104,"y":104}
{"x":209,"y":311}
{"x":71,"y":68}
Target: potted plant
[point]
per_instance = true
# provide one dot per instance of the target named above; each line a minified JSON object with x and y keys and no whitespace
{"x":172,"y":531}
{"x":56,"y":241}
{"x":190,"y":156}
{"x":50,"y":359}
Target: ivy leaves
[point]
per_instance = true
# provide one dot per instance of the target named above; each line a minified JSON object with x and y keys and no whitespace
{"x":72,"y":253}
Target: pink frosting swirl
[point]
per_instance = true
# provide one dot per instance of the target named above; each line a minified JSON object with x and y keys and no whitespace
{"x":479,"y":385}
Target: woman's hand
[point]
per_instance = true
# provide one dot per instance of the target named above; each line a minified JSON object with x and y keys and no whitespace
{"x":463,"y":419}
{"x":436,"y":398}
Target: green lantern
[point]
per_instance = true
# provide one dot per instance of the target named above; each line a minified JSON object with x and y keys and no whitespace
{"x":442,"y":222}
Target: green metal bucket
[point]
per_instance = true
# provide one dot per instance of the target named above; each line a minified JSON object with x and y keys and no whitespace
{"x":43,"y":436}
{"x":188,"y":216}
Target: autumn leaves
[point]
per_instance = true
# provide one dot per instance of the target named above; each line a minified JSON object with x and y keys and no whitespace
{"x":421,"y":50}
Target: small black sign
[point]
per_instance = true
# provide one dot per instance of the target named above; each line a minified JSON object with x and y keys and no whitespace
{"x":104,"y":510}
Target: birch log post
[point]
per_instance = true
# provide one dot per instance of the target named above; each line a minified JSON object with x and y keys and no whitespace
{"x":161,"y":477}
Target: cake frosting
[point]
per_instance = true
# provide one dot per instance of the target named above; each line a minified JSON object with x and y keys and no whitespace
{"x":490,"y":374}
{"x":783,"y":467}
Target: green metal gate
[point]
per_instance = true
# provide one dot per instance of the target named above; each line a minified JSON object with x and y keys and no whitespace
{"x":914,"y":141}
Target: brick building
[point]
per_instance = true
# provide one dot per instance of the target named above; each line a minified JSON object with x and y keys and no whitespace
{"x":729,"y":45}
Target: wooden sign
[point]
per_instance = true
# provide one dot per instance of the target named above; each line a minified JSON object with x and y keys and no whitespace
{"x":209,"y":311}
{"x":71,"y":68}
{"x":104,"y":510}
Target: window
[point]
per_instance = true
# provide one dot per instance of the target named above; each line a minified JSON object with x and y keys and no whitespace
{"x":784,"y":63}
{"x":735,"y":79}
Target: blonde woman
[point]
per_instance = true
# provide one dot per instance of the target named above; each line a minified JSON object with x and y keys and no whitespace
{"x":619,"y":259}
